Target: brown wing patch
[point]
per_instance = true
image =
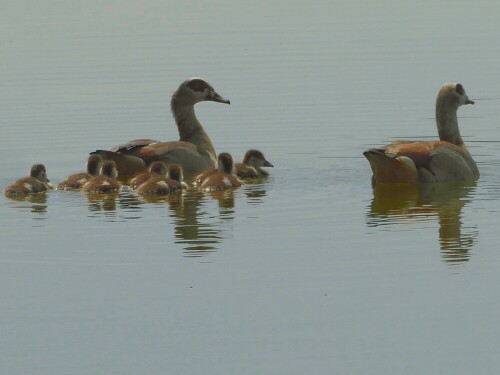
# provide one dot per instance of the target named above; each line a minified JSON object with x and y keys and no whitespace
{"x":129,"y":147}
{"x":158,"y":149}
{"x":418,"y":152}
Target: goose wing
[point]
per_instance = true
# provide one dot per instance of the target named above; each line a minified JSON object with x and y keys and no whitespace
{"x":183,"y":153}
{"x":133,"y":147}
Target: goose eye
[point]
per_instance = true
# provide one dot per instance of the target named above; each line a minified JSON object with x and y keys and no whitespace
{"x":460,"y":89}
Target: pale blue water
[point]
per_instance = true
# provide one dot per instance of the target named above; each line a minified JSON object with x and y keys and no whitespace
{"x":310,"y":271}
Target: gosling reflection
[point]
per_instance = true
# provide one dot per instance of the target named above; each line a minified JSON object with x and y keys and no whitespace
{"x":225,"y":199}
{"x":38,"y":202}
{"x":421,"y":203}
{"x":255,"y":192}
{"x":201,"y":220}
{"x":99,"y":202}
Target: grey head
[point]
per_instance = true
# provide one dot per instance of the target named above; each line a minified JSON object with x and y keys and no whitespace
{"x":39,"y":172}
{"x":108,"y":169}
{"x":195,"y":90}
{"x":94,"y":164}
{"x":255,"y":158}
{"x":175,"y":172}
{"x":158,"y":167}
{"x":226,"y":164}
{"x":452,"y":95}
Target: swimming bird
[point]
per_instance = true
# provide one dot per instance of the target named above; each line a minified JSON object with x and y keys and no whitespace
{"x":36,"y":182}
{"x":194,"y":150}
{"x":164,"y":185}
{"x":251,"y":166}
{"x":222,"y":178}
{"x":105,"y":182}
{"x":156,"y":168}
{"x":76,"y":181}
{"x":446,"y":160}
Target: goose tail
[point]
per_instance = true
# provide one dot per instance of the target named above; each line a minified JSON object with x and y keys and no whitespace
{"x":391,"y":169}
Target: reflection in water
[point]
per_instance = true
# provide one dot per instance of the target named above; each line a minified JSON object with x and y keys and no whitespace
{"x":419,"y":204}
{"x":226,"y":202}
{"x":201,"y":220}
{"x":255,"y":192}
{"x":194,"y":226}
{"x":130,"y":204}
{"x":38,"y":203}
{"x":99,"y":203}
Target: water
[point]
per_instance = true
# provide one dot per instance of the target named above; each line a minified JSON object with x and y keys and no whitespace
{"x":308,"y":271}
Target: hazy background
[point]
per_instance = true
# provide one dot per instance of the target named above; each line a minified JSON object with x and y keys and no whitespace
{"x":309,"y":271}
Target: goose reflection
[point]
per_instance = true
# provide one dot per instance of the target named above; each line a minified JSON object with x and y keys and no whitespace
{"x":194,"y":228}
{"x":201,"y":220}
{"x":424,"y":202}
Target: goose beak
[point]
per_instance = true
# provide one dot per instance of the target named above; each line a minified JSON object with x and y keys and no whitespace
{"x":219,"y":99}
{"x":468,"y":101}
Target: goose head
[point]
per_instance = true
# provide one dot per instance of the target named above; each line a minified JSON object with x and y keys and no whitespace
{"x":108,"y":169}
{"x":158,"y":167}
{"x":39,"y":172}
{"x":225,"y":162}
{"x":175,"y":172}
{"x":193,"y":91}
{"x":452,"y":95}
{"x":94,"y":164}
{"x":255,"y":158}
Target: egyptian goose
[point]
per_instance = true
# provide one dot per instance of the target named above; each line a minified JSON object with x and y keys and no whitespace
{"x":164,"y":185}
{"x":76,"y":181}
{"x":446,"y":160}
{"x":194,"y":150}
{"x":37,"y":182}
{"x":222,"y":178}
{"x":105,"y":182}
{"x":251,"y":166}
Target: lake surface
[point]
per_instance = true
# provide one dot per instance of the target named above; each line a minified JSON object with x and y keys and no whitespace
{"x":309,"y":271}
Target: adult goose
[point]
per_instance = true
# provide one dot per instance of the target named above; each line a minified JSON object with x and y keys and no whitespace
{"x":194,"y":150}
{"x":446,"y":160}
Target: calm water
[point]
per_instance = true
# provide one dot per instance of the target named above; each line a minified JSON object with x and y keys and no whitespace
{"x":309,"y":271}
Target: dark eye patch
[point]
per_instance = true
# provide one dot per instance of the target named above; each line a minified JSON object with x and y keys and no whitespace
{"x":460,"y":89}
{"x":197,"y":85}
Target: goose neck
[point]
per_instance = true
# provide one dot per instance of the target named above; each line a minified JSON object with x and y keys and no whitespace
{"x":447,"y":124}
{"x":186,"y":120}
{"x":190,"y":129}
